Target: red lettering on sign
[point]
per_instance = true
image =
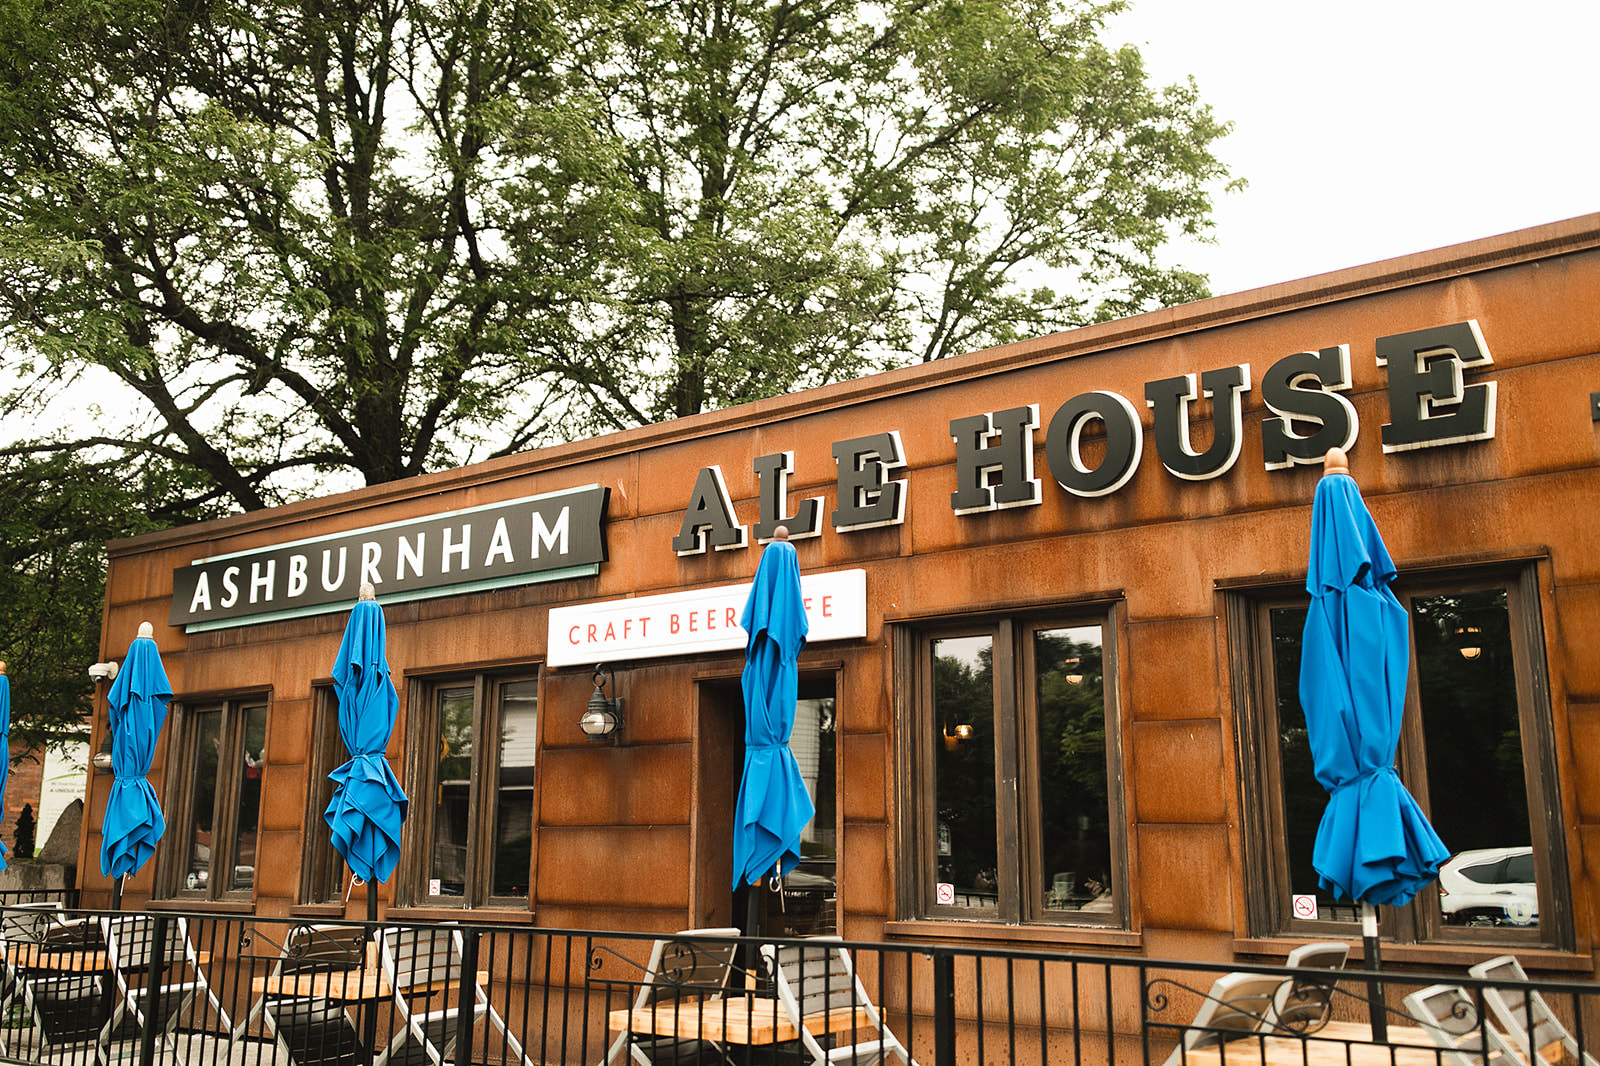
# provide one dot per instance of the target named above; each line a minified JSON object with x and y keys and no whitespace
{"x":733,"y":617}
{"x":592,"y":632}
{"x":827,"y":606}
{"x":673,"y":622}
{"x":572,"y":634}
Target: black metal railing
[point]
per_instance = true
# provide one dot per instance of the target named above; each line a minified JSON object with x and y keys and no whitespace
{"x":83,"y":987}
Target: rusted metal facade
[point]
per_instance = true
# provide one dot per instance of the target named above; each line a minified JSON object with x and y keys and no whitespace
{"x":634,"y":835}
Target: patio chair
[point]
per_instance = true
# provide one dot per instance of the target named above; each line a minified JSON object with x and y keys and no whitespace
{"x":64,"y":1003}
{"x":415,"y":959}
{"x":1522,"y":1012}
{"x":1239,"y":1005}
{"x":20,"y":923}
{"x":1303,"y":1003}
{"x":184,"y":997}
{"x":814,"y":979}
{"x":1464,"y":1037}
{"x":306,"y":1029}
{"x":692,"y":962}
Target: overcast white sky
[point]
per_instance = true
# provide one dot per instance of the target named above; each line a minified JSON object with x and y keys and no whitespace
{"x":1374,"y":128}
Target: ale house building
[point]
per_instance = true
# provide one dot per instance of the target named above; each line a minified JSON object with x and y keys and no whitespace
{"x":1055,"y":594}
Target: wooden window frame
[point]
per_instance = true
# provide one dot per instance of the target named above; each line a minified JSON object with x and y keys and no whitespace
{"x":185,"y":724}
{"x":322,"y":873}
{"x":1017,"y":812}
{"x":1267,"y":903}
{"x":421,"y":766}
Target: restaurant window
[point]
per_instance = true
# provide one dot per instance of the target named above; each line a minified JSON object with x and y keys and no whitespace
{"x":325,"y":874}
{"x":1476,"y":750}
{"x":1021,"y":700}
{"x":471,"y":783}
{"x":215,"y":815}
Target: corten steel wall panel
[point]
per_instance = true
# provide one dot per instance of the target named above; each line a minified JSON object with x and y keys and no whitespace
{"x":289,"y":732}
{"x":1520,"y":493}
{"x":866,"y":882}
{"x":1579,"y":607}
{"x":864,"y":778}
{"x":1184,"y":877}
{"x":1175,"y":680}
{"x":643,"y":784}
{"x":636,"y":866}
{"x":1180,"y":771}
{"x":1583,"y":722}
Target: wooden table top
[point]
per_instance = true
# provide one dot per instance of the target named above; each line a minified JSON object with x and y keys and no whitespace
{"x":1335,"y":1044}
{"x":732,"y":1020}
{"x":74,"y":960}
{"x":349,"y":986}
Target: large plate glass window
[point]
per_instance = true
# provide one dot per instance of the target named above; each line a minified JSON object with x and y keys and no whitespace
{"x":214,"y":817}
{"x":472,"y":782}
{"x":1476,"y":750}
{"x":1027,"y":701}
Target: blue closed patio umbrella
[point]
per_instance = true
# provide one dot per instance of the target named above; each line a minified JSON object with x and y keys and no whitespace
{"x":368,"y":805}
{"x":5,"y":750}
{"x":773,"y":806}
{"x":137,"y":708}
{"x":1374,"y":845}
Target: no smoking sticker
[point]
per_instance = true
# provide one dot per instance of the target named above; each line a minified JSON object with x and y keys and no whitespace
{"x":944,"y":893}
{"x":1305,"y":907}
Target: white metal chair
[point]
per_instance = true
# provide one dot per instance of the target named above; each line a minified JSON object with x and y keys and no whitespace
{"x":1238,"y":1006}
{"x":305,"y":1030}
{"x":418,"y":958}
{"x":1303,"y":1003}
{"x":184,"y":996}
{"x":1464,"y":1037}
{"x":691,"y":962}
{"x":814,"y":979}
{"x":23,"y":924}
{"x":1523,"y":1013}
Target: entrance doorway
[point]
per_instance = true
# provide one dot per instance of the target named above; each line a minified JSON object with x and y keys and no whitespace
{"x":808,"y":902}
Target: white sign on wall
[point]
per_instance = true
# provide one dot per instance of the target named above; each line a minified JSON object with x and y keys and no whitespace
{"x":703,"y":620}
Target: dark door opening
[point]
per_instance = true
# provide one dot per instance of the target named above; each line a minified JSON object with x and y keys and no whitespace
{"x":808,"y":902}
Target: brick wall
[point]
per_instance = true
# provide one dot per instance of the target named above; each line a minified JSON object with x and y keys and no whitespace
{"x":24,"y":785}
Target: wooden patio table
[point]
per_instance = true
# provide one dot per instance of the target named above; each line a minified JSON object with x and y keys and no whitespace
{"x":350,"y":986}
{"x":72,"y":960}
{"x":1335,"y":1044}
{"x":732,"y":1020}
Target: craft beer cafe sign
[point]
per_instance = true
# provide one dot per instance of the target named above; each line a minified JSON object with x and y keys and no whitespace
{"x":560,"y":535}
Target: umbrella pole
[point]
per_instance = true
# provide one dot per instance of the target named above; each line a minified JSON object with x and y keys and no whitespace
{"x":116,"y":893}
{"x":1375,"y":1005}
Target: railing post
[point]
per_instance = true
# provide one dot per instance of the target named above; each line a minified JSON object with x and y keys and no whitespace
{"x":944,"y":1008}
{"x":153,"y":982}
{"x":466,"y":996}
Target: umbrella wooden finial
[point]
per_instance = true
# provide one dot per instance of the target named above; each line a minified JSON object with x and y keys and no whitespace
{"x":781,"y":533}
{"x":1335,"y":462}
{"x":367,"y":591}
{"x":147,"y":630}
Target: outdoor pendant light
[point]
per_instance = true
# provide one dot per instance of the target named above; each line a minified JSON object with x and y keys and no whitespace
{"x":602,"y":721}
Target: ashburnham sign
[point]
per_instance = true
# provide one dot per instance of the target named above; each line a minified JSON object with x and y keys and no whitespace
{"x":550,"y":537}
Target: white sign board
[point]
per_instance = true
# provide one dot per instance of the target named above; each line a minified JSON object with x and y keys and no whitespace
{"x":687,"y":623}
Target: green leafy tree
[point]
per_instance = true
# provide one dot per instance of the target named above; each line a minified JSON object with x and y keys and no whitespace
{"x":365,"y":241}
{"x":56,"y":516}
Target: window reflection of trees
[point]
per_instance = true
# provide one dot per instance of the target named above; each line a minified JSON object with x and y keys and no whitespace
{"x":1075,"y":834}
{"x":963,"y":694}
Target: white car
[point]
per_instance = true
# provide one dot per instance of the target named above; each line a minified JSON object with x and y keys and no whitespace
{"x":1489,"y":886}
